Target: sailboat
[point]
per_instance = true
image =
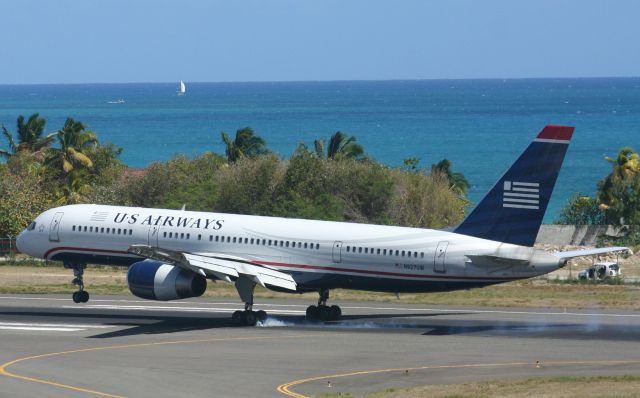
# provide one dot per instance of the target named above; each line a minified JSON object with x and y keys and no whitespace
{"x":183,"y":89}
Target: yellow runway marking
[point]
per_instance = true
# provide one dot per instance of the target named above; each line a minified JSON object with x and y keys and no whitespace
{"x":286,"y":387}
{"x":5,"y":366}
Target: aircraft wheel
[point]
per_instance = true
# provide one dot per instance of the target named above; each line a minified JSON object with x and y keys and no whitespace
{"x":238,"y":318}
{"x":76,"y":297}
{"x":312,"y":313}
{"x":84,"y":296}
{"x":250,"y":318}
{"x":335,"y":312}
{"x":324,"y":313}
{"x":262,"y":315}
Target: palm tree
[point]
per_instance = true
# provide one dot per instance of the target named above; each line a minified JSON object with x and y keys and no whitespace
{"x":457,"y":181}
{"x":340,"y":145}
{"x":619,"y":192}
{"x":246,"y":144}
{"x":30,"y":136}
{"x":74,"y":140}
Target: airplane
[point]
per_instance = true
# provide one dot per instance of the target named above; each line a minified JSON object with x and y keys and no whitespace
{"x":171,"y":254}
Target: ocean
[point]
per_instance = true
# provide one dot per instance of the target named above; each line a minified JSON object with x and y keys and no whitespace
{"x":480,"y":125}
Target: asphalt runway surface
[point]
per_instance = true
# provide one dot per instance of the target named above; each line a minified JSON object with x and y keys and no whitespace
{"x":127,"y":347}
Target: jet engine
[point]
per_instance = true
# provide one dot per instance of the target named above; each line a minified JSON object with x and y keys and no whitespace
{"x":154,"y":280}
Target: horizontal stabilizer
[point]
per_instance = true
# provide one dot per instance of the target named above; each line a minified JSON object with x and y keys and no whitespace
{"x":219,"y":265}
{"x":489,"y":260}
{"x":591,"y":252}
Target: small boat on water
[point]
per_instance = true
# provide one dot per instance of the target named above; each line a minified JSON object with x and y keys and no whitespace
{"x":118,"y":101}
{"x":183,"y":89}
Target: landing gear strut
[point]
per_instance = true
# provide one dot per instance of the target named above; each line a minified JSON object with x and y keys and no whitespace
{"x":322,"y":312}
{"x":248,"y":317}
{"x":81,"y":296}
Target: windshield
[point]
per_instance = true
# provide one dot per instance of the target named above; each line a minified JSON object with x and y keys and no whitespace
{"x":31,"y":226}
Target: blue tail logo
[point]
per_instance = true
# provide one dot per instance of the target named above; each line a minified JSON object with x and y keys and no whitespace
{"x":513,"y":209}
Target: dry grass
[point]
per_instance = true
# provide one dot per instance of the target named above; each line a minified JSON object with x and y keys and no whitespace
{"x":556,"y":387}
{"x":535,"y":293}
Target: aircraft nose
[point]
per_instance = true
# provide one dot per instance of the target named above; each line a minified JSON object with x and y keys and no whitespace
{"x":20,"y":242}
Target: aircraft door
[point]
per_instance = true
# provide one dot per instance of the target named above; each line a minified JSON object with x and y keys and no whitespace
{"x":439,"y":257}
{"x":337,"y":252}
{"x":154,"y":231}
{"x":54,"y":227}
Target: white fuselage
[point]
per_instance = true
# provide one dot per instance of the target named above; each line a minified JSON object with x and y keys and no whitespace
{"x":318,"y":254}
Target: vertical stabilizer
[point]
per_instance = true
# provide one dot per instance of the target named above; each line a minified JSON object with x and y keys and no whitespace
{"x":513,"y":209}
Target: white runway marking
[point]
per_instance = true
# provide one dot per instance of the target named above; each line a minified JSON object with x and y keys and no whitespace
{"x":164,"y":308}
{"x":177,"y":305}
{"x":48,"y":327}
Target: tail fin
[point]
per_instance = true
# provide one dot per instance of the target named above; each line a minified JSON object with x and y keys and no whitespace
{"x":513,"y":209}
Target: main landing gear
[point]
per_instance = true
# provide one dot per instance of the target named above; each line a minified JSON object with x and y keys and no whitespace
{"x":323,"y":312}
{"x":81,"y":296}
{"x":248,"y":317}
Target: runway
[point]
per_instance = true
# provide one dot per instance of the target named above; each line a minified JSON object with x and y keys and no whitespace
{"x":126,"y":347}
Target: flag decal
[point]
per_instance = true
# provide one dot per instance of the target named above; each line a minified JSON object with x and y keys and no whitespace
{"x":521,"y":195}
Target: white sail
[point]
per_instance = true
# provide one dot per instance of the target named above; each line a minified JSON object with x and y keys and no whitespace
{"x":183,"y":88}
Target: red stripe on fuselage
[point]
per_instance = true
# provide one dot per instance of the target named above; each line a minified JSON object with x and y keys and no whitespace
{"x":313,"y":267}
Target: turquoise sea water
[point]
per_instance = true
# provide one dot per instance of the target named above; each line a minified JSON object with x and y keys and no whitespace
{"x":481,"y":125}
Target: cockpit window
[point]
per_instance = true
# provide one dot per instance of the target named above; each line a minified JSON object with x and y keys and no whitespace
{"x":31,"y":226}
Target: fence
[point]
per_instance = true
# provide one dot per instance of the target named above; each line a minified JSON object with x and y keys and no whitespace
{"x":8,"y":247}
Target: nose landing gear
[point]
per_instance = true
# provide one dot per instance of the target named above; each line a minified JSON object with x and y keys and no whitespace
{"x":323,"y":312}
{"x":81,"y":296}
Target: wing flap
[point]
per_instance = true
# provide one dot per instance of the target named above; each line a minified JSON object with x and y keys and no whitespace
{"x":220,"y":265}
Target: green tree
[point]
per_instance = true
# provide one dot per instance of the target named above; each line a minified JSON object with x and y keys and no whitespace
{"x":23,"y":194}
{"x":74,"y":141}
{"x":457,"y":181}
{"x":340,"y":145}
{"x":30,"y":136}
{"x":581,"y":210}
{"x":246,"y":144}
{"x":619,"y":192}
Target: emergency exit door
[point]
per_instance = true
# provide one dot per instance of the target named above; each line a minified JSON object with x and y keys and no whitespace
{"x":439,"y":264}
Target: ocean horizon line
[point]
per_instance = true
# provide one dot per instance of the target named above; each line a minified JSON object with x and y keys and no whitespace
{"x":466,"y":79}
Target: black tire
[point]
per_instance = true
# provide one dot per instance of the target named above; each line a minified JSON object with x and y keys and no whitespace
{"x":84,"y":296}
{"x":262,"y":315}
{"x":250,"y":318}
{"x":312,"y":313}
{"x":238,"y":318}
{"x":324,"y":313}
{"x":76,"y":297}
{"x":335,"y":312}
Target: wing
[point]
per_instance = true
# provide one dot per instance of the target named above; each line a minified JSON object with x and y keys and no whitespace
{"x":221,"y":266}
{"x":591,"y":252}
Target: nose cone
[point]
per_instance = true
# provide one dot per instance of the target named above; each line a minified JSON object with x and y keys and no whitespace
{"x":20,"y":242}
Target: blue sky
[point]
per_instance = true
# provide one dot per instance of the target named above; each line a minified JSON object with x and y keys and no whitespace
{"x":81,"y":41}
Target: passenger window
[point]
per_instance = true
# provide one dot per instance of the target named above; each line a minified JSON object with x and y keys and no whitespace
{"x":252,"y":241}
{"x":171,"y":234}
{"x":421,"y":254}
{"x":229,"y":239}
{"x":85,"y":229}
{"x":348,"y":247}
{"x":211,"y":238}
{"x":102,"y":230}
{"x":366,"y":250}
{"x":199,"y":237}
{"x":378,"y":252}
{"x":182,"y":235}
{"x":287,"y":243}
{"x":188,"y":236}
{"x":384,"y":252}
{"x":234,"y":239}
{"x":318,"y":246}
{"x":397,"y":252}
{"x":73,"y":228}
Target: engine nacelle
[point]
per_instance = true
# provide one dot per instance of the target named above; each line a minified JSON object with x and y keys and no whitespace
{"x":154,"y":280}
